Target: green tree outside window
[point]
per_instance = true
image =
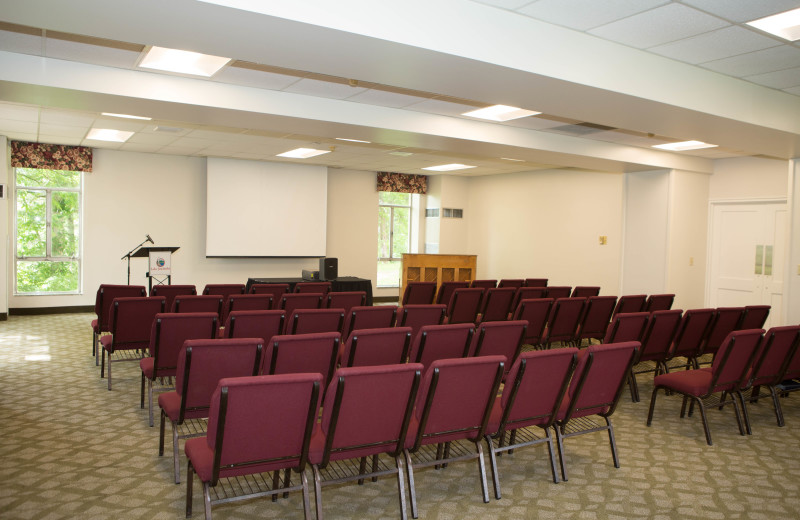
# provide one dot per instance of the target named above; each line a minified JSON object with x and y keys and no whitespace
{"x":394,"y":235}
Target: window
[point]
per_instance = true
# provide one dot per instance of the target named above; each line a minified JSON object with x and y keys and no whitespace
{"x":394,"y":235}
{"x":47,"y":228}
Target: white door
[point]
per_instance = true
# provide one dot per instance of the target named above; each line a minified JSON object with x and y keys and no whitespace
{"x":747,"y":252}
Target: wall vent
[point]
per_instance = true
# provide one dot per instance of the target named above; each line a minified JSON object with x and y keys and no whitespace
{"x":452,"y":213}
{"x":432,"y":212}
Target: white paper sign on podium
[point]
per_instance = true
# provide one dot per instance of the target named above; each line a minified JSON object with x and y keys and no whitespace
{"x":160,"y":263}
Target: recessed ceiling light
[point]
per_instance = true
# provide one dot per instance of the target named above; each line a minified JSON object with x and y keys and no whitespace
{"x":401,"y":154}
{"x":500,"y":113}
{"x":183,"y":62}
{"x":302,"y":153}
{"x":448,"y":167}
{"x":510,"y":159}
{"x":352,"y":140}
{"x":784,"y":25}
{"x":108,"y":134}
{"x":126,"y":116}
{"x":684,"y":146}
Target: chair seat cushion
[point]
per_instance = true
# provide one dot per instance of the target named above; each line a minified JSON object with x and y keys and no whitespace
{"x":147,"y":365}
{"x":688,"y":382}
{"x":96,"y":326}
{"x":201,"y":456}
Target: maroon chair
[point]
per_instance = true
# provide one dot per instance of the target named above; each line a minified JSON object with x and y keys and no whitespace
{"x":198,"y":303}
{"x":727,"y":373}
{"x":595,"y":389}
{"x":630,"y":303}
{"x":454,"y":403}
{"x":755,"y":316}
{"x":255,"y":324}
{"x":516,"y":283}
{"x":309,"y":321}
{"x":293,"y":301}
{"x":244,"y":438}
{"x":246,"y":302}
{"x":535,"y":388}
{"x":689,"y":338}
{"x":535,"y":282}
{"x":313,"y":353}
{"x":130,"y":322}
{"x":585,"y":291}
{"x":441,"y":342}
{"x":499,"y":338}
{"x":275,"y":289}
{"x":626,"y":326}
{"x":419,"y":293}
{"x":201,"y":365}
{"x":483,"y":284}
{"x":360,"y":318}
{"x":346,"y":300}
{"x":313,"y":287}
{"x":528,"y":293}
{"x":535,"y":312}
{"x":662,"y":326}
{"x":446,"y":291}
{"x":595,"y":319}
{"x":168,"y":332}
{"x":366,"y":413}
{"x":726,"y":320}
{"x":171,"y":291}
{"x":370,"y":347}
{"x":225,"y":290}
{"x":558,"y":291}
{"x":496,"y":305}
{"x":417,"y":316}
{"x":562,"y":325}
{"x":658,"y":302}
{"x":464,"y":305}
{"x":106,"y":294}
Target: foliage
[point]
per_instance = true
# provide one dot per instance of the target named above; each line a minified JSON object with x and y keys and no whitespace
{"x":394,"y":234}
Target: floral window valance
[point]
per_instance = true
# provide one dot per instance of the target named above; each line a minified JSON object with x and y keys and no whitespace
{"x":51,"y":156}
{"x":402,"y":183}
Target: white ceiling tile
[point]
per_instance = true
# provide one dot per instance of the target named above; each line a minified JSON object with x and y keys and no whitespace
{"x":139,"y":147}
{"x":585,"y":14}
{"x":445,"y":108}
{"x":19,"y":112}
{"x":18,"y":136}
{"x":95,"y":54}
{"x":534,"y":123}
{"x":126,"y":125}
{"x":27,"y":127}
{"x":505,"y":4}
{"x":743,"y":10}
{"x":385,"y":99}
{"x":326,"y":89}
{"x":759,"y":62}
{"x":722,"y":43}
{"x":255,"y":78}
{"x":658,"y":26}
{"x":22,"y":43}
{"x":780,"y":79}
{"x":67,"y":117}
{"x":63,"y":130}
{"x":214,"y":136}
{"x":793,"y":90}
{"x":152,"y":139}
{"x":59,"y":139}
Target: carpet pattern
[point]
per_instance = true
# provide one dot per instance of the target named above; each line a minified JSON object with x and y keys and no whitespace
{"x":72,"y":449}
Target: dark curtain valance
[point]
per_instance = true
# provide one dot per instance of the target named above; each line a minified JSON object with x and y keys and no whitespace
{"x":51,"y":156}
{"x":402,"y":183}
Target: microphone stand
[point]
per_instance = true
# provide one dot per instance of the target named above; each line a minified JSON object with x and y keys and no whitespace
{"x":128,"y":256}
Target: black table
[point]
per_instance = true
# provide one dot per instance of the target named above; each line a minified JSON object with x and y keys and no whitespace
{"x":341,"y":284}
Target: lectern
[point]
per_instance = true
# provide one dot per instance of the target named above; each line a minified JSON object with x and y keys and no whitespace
{"x":160,"y":266}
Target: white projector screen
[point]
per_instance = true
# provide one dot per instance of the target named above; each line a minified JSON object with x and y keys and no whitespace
{"x":261,"y":209}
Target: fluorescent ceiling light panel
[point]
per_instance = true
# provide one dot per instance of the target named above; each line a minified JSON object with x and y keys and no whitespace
{"x":302,"y":153}
{"x":352,"y":140}
{"x":448,"y":167}
{"x":126,"y":116}
{"x":784,"y":25}
{"x":183,"y":62}
{"x":108,"y":134}
{"x":510,"y":159}
{"x":500,"y":113}
{"x":684,"y":146}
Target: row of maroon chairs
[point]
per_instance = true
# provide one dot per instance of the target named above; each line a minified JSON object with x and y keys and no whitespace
{"x":426,"y":292}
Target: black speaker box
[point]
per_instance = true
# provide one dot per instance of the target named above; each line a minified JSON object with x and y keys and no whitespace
{"x":328,"y":268}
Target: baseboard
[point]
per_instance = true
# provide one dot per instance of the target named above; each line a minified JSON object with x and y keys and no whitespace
{"x":3,"y":316}
{"x":385,"y":299}
{"x":32,"y":311}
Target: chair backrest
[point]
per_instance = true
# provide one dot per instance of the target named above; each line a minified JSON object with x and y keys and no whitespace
{"x":692,"y":331}
{"x":417,"y":316}
{"x":535,"y":282}
{"x":168,"y":333}
{"x":496,"y":304}
{"x":499,"y":338}
{"x":198,"y":303}
{"x":131,"y":321}
{"x":535,"y":312}
{"x":369,"y":347}
{"x":535,"y":387}
{"x":434,"y":342}
{"x":170,"y":292}
{"x":464,"y":305}
{"x":630,"y":303}
{"x":446,"y":291}
{"x":288,"y":354}
{"x":106,"y":294}
{"x":755,"y":316}
{"x":313,"y":287}
{"x":562,"y":324}
{"x":243,"y":433}
{"x":659,"y":302}
{"x":346,"y":300}
{"x":659,"y":334}
{"x":255,"y":324}
{"x":596,"y":317}
{"x":293,"y":301}
{"x":726,"y":320}
{"x":275,"y":289}
{"x":598,"y":380}
{"x":734,"y":359}
{"x":455,"y":399}
{"x":203,"y":362}
{"x":775,"y":354}
{"x":558,"y":291}
{"x":626,"y":326}
{"x":367,"y":411}
{"x":516,"y":283}
{"x":419,"y":293}
{"x":483,"y":284}
{"x":528,"y":293}
{"x":585,"y":291}
{"x":793,"y":368}
{"x":360,"y":318}
{"x":308,"y":321}
{"x":247,"y":302}
{"x":224,"y":289}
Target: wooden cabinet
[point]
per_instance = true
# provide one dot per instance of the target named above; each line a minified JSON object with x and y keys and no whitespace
{"x":436,"y":268}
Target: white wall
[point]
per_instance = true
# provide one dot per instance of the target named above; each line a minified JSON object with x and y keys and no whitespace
{"x":6,"y":210}
{"x":453,"y":232}
{"x":791,"y":298}
{"x":748,"y":178}
{"x":646,"y":232}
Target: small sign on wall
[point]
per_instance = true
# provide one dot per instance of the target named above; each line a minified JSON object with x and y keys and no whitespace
{"x":160,"y":263}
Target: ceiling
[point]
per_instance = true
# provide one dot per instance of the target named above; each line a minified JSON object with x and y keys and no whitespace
{"x":611,"y":78}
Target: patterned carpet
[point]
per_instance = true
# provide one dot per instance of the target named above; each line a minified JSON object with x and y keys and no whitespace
{"x":72,"y":449}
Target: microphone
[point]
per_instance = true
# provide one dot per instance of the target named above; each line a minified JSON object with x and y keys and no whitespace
{"x":150,"y":240}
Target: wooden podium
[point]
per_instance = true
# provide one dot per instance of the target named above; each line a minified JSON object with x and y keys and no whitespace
{"x":437,"y":268}
{"x":144,"y":252}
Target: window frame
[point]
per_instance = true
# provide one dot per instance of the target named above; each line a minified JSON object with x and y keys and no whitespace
{"x":392,"y":207}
